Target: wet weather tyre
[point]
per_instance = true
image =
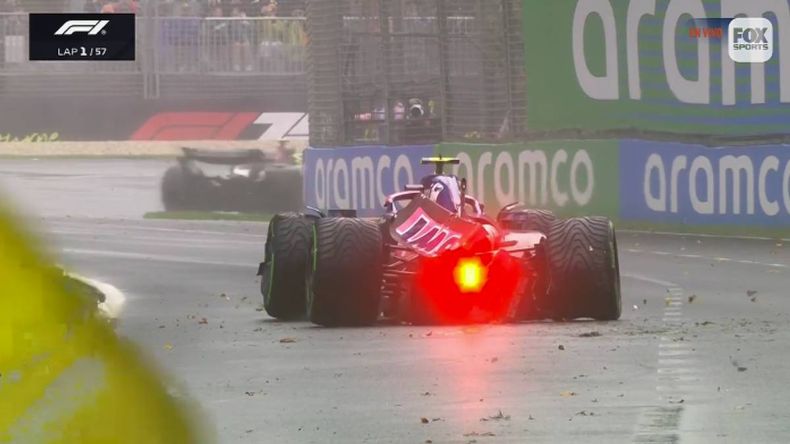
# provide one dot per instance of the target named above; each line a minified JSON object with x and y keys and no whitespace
{"x":344,"y":279}
{"x":527,"y":219}
{"x":288,"y":246}
{"x":175,"y":189}
{"x":584,"y":269}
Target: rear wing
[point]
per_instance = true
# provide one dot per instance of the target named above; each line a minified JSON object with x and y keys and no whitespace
{"x":440,"y":162}
{"x":429,"y":229}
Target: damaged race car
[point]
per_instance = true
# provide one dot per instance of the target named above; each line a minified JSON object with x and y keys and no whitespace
{"x":435,"y":257}
{"x":232,"y":180}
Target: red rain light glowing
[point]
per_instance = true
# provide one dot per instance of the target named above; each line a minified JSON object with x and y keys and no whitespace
{"x":470,"y":275}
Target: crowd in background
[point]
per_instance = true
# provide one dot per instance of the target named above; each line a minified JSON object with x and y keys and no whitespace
{"x":111,"y":7}
{"x":232,"y":8}
{"x":193,"y":35}
{"x":10,"y":7}
{"x":216,"y":35}
{"x":232,"y":35}
{"x":182,"y":8}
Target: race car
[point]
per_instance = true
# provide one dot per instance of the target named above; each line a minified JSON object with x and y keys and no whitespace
{"x":236,"y":180}
{"x":435,"y":257}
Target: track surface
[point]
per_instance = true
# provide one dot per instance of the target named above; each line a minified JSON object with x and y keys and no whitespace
{"x":694,"y":359}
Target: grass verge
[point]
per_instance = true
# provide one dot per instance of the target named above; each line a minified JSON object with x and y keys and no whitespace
{"x":208,"y":215}
{"x":716,"y":230}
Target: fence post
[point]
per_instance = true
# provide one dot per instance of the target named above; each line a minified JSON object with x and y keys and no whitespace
{"x":444,"y":68}
{"x":508,"y":65}
{"x":325,"y":80}
{"x":149,"y":50}
{"x":514,"y":41}
{"x":385,"y":41}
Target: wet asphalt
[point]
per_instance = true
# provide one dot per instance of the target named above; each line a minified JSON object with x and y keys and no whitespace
{"x":700,"y":354}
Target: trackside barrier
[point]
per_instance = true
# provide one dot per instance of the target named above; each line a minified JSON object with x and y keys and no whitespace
{"x":360,"y":177}
{"x":569,"y":176}
{"x":673,"y":183}
{"x":638,"y":66}
{"x":649,"y":184}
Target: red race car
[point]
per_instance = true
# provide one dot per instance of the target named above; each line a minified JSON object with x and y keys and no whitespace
{"x":434,"y":257}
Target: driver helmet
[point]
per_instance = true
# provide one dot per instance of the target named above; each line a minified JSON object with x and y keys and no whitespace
{"x":445,"y":191}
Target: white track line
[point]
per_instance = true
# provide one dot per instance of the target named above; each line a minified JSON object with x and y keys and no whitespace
{"x":677,"y":374}
{"x":152,"y":257}
{"x":706,"y":258}
{"x":98,"y":225}
{"x":165,"y":241}
{"x":114,"y":236}
{"x":648,"y":279}
{"x":703,"y":235}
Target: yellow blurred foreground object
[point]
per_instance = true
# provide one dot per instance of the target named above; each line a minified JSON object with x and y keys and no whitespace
{"x":64,"y":375}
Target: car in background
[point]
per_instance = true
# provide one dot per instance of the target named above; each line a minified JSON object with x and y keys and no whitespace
{"x":238,"y":180}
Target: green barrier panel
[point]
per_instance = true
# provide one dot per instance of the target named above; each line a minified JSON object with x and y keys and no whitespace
{"x":569,"y":177}
{"x":633,"y":66}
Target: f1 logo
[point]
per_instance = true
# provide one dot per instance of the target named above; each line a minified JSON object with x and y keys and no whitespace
{"x":750,"y":40}
{"x":90,"y":27}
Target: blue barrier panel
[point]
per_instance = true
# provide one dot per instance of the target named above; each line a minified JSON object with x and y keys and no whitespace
{"x":361,"y":177}
{"x":692,"y":184}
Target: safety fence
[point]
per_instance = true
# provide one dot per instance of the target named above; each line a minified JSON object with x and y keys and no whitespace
{"x":175,"y":56}
{"x":191,"y":56}
{"x":405,"y":72}
{"x":230,"y":45}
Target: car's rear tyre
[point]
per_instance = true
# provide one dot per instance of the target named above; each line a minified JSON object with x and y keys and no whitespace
{"x":175,"y":189}
{"x":344,"y":279}
{"x":288,"y":246}
{"x":584,"y":269}
{"x":527,"y":219}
